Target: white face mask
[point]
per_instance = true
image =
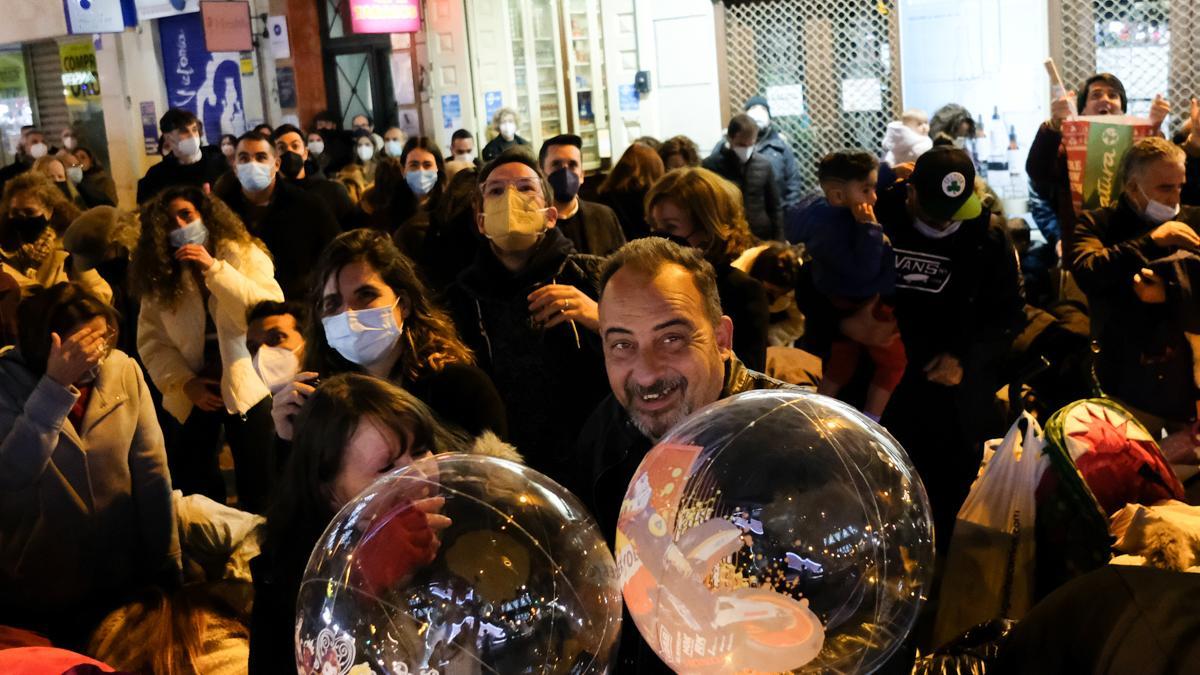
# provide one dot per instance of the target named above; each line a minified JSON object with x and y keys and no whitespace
{"x":315,"y":148}
{"x":393,"y":148}
{"x":366,"y":152}
{"x":760,"y":117}
{"x":467,"y":157}
{"x":188,"y":148}
{"x":934,"y":233}
{"x":38,"y":150}
{"x":363,"y":337}
{"x":1157,"y":212}
{"x":69,"y":142}
{"x":508,"y":130}
{"x":277,"y":366}
{"x":75,"y":174}
{"x":743,"y":153}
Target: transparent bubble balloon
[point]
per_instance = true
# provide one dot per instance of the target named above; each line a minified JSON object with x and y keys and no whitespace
{"x":459,"y":564}
{"x":775,"y":531}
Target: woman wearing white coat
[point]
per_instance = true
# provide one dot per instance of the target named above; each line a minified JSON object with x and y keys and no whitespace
{"x":198,"y":271}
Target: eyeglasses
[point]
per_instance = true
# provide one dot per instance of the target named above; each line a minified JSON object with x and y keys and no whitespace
{"x":525,"y":186}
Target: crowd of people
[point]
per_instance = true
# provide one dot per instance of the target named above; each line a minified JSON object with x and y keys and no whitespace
{"x":330,"y":304}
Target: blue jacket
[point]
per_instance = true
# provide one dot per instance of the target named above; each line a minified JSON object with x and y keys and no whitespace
{"x":849,"y":259}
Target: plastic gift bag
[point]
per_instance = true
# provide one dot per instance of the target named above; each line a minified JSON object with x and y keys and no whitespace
{"x":990,"y":568}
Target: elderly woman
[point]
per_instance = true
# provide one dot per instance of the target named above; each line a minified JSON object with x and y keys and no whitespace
{"x":198,"y":272}
{"x":504,"y":124}
{"x":85,"y":497}
{"x":33,"y":216}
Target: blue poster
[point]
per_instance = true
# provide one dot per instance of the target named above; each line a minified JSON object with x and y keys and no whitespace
{"x":629,"y":98}
{"x":208,"y":84}
{"x":451,"y":110}
{"x":493,"y":101}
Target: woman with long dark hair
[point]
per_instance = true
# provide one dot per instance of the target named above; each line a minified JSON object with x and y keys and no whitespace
{"x":352,"y":430}
{"x":624,"y":190}
{"x":425,"y":180}
{"x":699,"y":208}
{"x":373,"y":314}
{"x":198,"y":271}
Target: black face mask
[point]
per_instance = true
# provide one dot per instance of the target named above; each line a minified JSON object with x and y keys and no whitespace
{"x":565,"y":183}
{"x":29,"y":228}
{"x":672,"y":238}
{"x":290,"y":165}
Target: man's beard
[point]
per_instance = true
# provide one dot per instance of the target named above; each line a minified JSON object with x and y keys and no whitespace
{"x":655,"y":427}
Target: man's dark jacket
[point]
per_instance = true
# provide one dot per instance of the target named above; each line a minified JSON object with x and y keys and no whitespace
{"x":169,"y":172}
{"x":773,"y":145}
{"x":594,"y":229}
{"x":1144,"y":358}
{"x":760,"y":193}
{"x":551,"y":378}
{"x":296,"y":228}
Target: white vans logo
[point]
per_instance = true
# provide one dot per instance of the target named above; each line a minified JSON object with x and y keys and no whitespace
{"x":920,"y":271}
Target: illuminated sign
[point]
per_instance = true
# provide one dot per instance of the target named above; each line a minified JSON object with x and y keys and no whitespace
{"x":385,"y":16}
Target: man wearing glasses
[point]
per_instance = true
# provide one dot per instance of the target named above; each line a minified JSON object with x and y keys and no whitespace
{"x":527,"y":307}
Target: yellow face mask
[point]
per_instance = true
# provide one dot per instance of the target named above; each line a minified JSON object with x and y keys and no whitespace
{"x":513,"y":222}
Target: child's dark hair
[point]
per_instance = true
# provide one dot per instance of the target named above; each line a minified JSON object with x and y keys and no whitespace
{"x":778,"y":265}
{"x":846,"y":165}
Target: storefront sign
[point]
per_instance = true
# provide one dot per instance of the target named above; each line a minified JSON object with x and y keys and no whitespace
{"x":278,"y":35}
{"x":12,"y":75}
{"x":98,"y":16}
{"x":451,"y":111}
{"x":493,"y":101}
{"x":385,"y":16}
{"x":156,"y":9}
{"x":149,"y":128}
{"x":80,"y":76}
{"x":208,"y":84}
{"x":226,"y":26}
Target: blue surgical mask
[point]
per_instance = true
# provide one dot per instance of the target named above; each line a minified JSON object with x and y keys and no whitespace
{"x":255,"y":176}
{"x":363,"y":337}
{"x":421,"y":181}
{"x":1157,"y":212}
{"x":193,"y":233}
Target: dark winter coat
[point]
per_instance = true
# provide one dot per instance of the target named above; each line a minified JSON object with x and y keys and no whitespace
{"x":773,"y":145}
{"x":169,"y":172}
{"x":1144,"y":357}
{"x":593,"y":229}
{"x":552,"y":378}
{"x":760,"y":194}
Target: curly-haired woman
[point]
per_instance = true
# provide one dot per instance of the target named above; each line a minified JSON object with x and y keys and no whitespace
{"x":197,"y":272}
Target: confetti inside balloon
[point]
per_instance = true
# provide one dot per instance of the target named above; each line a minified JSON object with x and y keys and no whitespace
{"x":775,"y":531}
{"x":459,"y":563}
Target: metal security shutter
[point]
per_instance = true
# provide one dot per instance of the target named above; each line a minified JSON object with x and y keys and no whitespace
{"x":51,"y":106}
{"x":1153,"y":46}
{"x":843,"y":56}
